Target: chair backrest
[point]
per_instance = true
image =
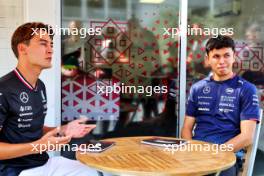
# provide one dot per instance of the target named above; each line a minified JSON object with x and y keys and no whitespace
{"x":251,"y":151}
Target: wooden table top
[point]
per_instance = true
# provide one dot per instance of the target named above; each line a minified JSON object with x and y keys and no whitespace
{"x":130,"y":157}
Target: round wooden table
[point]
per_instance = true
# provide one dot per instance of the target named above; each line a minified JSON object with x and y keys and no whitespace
{"x":130,"y":157}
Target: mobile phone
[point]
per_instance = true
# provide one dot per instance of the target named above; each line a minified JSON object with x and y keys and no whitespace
{"x":88,"y":122}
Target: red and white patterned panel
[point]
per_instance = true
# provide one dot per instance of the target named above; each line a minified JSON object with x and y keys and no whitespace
{"x":80,"y":97}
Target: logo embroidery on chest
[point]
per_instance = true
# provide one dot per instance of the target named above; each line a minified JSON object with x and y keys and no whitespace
{"x":24,"y":97}
{"x":229,"y":90}
{"x":228,"y":100}
{"x":206,"y":90}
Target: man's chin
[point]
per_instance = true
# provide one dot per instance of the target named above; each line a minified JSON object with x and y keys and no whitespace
{"x":46,"y":66}
{"x":223,"y":74}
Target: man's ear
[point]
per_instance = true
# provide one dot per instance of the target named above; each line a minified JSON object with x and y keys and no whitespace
{"x":206,"y":61}
{"x":234,"y":56}
{"x":22,"y":48}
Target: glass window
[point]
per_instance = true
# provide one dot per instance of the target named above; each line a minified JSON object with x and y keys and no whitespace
{"x":245,"y":18}
{"x":130,"y":58}
{"x":135,"y":52}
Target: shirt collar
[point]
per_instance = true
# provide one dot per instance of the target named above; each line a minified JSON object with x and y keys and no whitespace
{"x":210,"y":78}
{"x":24,"y":81}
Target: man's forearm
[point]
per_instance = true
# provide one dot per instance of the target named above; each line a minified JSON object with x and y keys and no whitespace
{"x":189,"y":122}
{"x":245,"y":138}
{"x":9,"y":151}
{"x":239,"y":142}
{"x":186,"y":134}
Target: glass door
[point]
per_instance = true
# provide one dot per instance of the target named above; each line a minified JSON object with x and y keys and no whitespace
{"x":122,"y":73}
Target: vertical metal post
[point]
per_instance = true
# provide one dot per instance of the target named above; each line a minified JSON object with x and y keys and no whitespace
{"x":128,"y":9}
{"x":106,"y":9}
{"x":183,"y":54}
{"x":83,"y":11}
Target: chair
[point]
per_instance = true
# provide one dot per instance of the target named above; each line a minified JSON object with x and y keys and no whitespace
{"x":251,"y":151}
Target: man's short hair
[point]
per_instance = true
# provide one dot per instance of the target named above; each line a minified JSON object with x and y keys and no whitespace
{"x":25,"y":32}
{"x":219,"y":42}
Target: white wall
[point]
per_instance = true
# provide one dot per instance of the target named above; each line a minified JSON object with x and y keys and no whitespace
{"x":16,"y":12}
{"x":48,"y":11}
{"x":11,"y":16}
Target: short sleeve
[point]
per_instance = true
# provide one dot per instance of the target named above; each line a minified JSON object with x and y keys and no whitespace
{"x":45,"y":91}
{"x":191,"y":104}
{"x":249,"y":104}
{"x":3,"y":108}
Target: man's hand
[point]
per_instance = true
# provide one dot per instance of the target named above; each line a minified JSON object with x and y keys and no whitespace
{"x":53,"y":138}
{"x":50,"y":141}
{"x":77,"y":128}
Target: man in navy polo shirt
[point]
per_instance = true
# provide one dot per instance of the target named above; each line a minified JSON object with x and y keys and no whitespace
{"x":223,"y":107}
{"x":23,"y":107}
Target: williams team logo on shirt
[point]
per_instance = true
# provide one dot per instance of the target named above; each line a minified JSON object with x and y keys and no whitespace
{"x":229,"y":90}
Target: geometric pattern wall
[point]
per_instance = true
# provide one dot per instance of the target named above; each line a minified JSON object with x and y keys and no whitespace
{"x":129,"y":50}
{"x":79,"y":97}
{"x":250,"y":58}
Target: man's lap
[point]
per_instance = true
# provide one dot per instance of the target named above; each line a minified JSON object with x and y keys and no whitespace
{"x":9,"y":171}
{"x":60,"y":166}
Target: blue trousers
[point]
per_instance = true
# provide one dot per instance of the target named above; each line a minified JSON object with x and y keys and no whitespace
{"x":233,"y":171}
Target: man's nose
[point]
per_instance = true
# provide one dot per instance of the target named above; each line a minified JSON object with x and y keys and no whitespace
{"x":222,"y":60}
{"x":49,"y":50}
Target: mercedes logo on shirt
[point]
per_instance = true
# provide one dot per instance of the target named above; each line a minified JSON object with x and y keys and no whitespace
{"x":24,"y":97}
{"x":206,"y":90}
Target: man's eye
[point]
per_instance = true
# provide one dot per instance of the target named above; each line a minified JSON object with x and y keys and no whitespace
{"x":215,"y":57}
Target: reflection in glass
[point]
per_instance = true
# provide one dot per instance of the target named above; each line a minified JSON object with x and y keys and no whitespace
{"x":131,"y":52}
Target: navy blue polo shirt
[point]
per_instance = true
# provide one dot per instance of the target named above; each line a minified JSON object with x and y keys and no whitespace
{"x":220,"y":106}
{"x":22,"y":112}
